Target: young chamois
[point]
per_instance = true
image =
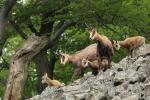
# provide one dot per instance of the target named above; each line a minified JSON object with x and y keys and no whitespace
{"x":130,"y":44}
{"x":104,"y":47}
{"x":50,"y":82}
{"x":94,"y":65}
{"x":90,"y":52}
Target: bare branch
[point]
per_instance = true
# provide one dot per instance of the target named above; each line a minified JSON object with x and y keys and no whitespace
{"x":61,"y":30}
{"x":54,"y":37}
{"x":59,"y":25}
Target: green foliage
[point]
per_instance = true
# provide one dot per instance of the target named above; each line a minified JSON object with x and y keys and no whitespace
{"x":31,"y":84}
{"x":10,"y":46}
{"x":73,"y":40}
{"x":3,"y":81}
{"x":63,"y":73}
{"x":116,"y":19}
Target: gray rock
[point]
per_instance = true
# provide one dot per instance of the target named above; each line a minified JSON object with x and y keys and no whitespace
{"x":147,"y":98}
{"x":119,"y":78}
{"x":96,"y":96}
{"x":143,"y":50}
{"x":132,"y":76}
{"x":116,"y":98}
{"x":66,"y":96}
{"x":127,"y":80}
{"x":147,"y":91}
{"x":132,"y":97}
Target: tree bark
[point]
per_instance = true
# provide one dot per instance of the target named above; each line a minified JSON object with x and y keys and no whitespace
{"x":44,"y":65}
{"x":6,"y":8}
{"x":41,"y":61}
{"x":18,"y":67}
{"x":52,"y":62}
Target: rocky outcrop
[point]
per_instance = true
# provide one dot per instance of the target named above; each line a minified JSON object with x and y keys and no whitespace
{"x":127,"y":80}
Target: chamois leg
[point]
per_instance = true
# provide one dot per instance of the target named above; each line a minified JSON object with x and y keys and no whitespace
{"x":131,"y":53}
{"x":99,"y":63}
{"x":82,"y":73}
{"x":98,"y":55}
{"x":77,"y":71}
{"x":110,"y":59}
{"x":128,"y":57}
{"x":109,"y":62}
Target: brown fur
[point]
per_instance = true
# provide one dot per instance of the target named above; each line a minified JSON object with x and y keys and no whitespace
{"x":90,"y":52}
{"x":50,"y":82}
{"x":132,"y":43}
{"x":102,"y":38}
{"x":105,"y":47}
{"x":94,"y":66}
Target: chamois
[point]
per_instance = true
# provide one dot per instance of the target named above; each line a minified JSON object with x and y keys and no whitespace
{"x":104,"y":47}
{"x":130,"y":44}
{"x":90,"y":52}
{"x":50,"y":82}
{"x":99,"y":37}
{"x":94,"y":65}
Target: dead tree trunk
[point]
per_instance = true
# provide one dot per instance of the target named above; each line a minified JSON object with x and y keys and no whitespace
{"x":18,"y":67}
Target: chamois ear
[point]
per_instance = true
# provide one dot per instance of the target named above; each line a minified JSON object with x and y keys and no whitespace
{"x":94,"y":29}
{"x":92,"y":33}
{"x":112,"y":41}
{"x":45,"y":75}
{"x":117,"y":41}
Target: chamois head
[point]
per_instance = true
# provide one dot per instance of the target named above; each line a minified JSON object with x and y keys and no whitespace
{"x":116,"y":45}
{"x":92,"y":33}
{"x":64,"y":58}
{"x":44,"y":78}
{"x":104,"y":62}
{"x":85,"y":62}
